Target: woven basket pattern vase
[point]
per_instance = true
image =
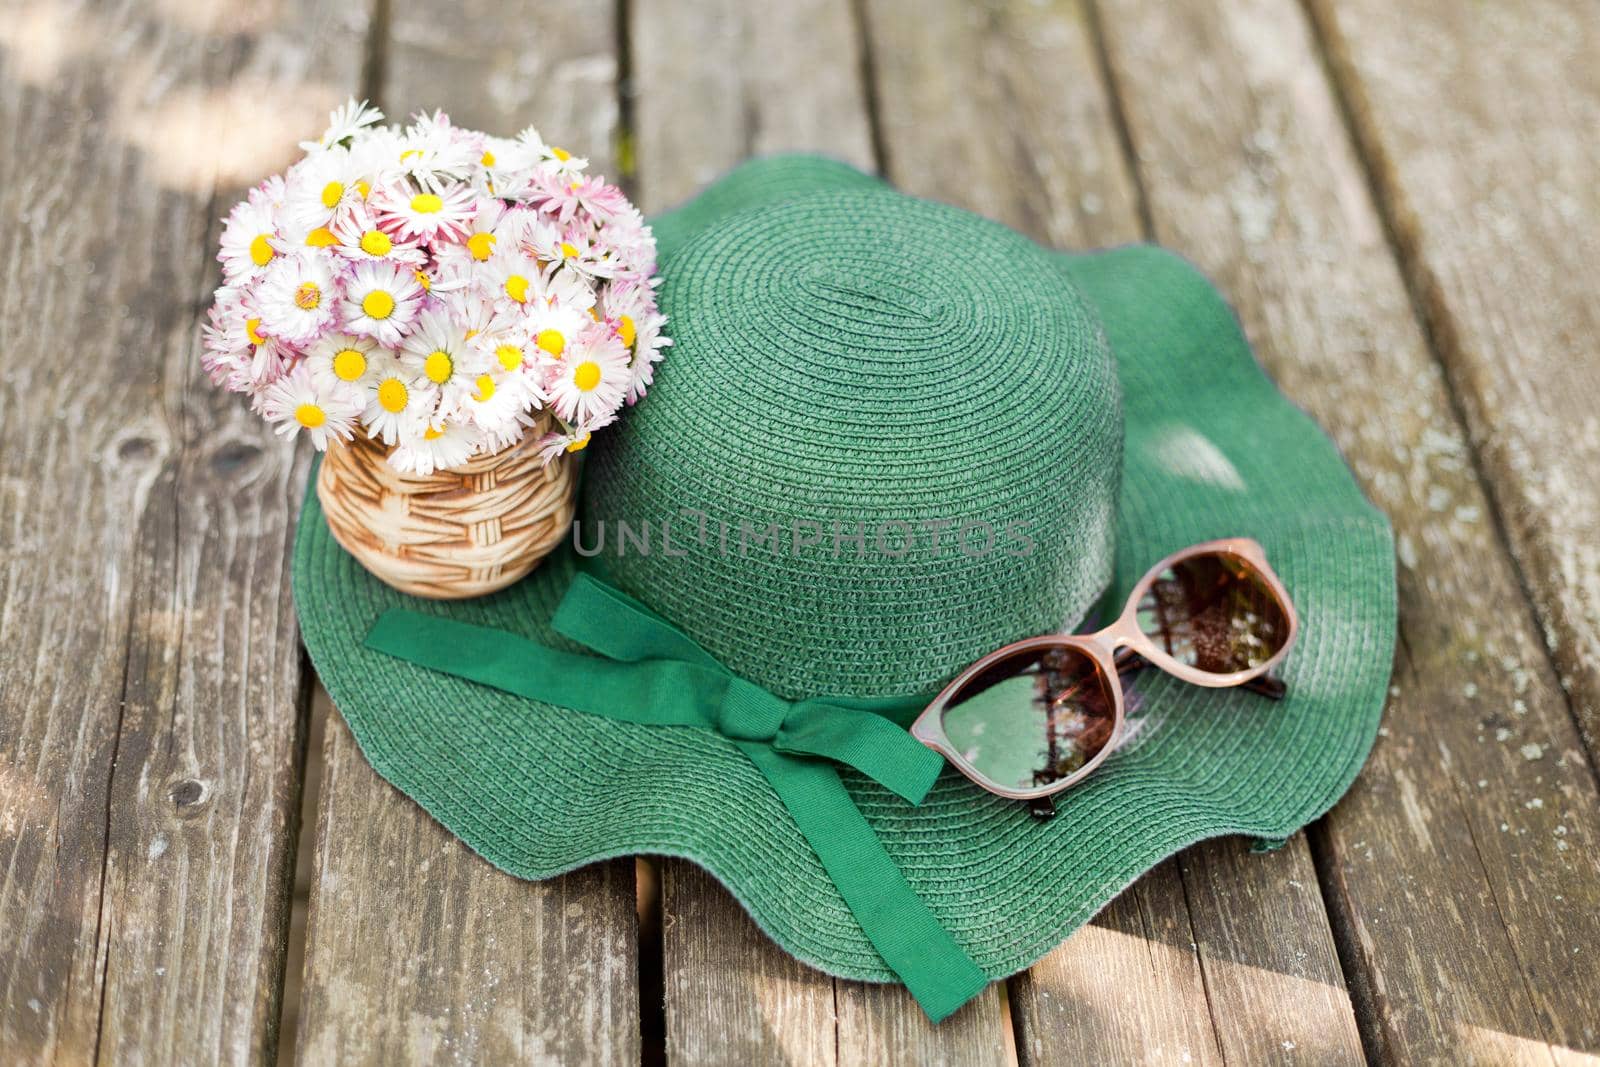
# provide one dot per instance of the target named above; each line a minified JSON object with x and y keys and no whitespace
{"x":454,"y":534}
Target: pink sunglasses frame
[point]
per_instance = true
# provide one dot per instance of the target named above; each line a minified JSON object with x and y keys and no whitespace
{"x":1103,"y":649}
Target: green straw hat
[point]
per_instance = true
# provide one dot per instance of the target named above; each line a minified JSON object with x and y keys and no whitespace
{"x":890,"y":437}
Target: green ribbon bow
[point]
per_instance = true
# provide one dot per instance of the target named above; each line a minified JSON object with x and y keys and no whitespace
{"x":652,"y":673}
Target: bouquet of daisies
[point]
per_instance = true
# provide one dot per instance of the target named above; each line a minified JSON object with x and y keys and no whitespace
{"x":435,"y":288}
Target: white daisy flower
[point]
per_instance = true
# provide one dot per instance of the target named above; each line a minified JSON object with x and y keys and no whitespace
{"x":592,"y":377}
{"x":399,"y":401}
{"x":553,"y":328}
{"x":249,"y":240}
{"x":298,"y":296}
{"x":630,"y":307}
{"x":319,"y":187}
{"x":359,"y":238}
{"x":438,"y":350}
{"x":226,"y":352}
{"x":381,"y":301}
{"x":569,"y":438}
{"x":540,"y":237}
{"x":569,"y":196}
{"x":344,"y":123}
{"x":343,"y":358}
{"x":375,"y":159}
{"x":260,"y":357}
{"x":544,"y":289}
{"x":649,"y":347}
{"x":505,"y":343}
{"x":429,"y":215}
{"x":511,"y":281}
{"x":504,"y":165}
{"x":580,"y":253}
{"x":294,"y":403}
{"x":435,"y":153}
{"x":497,"y":403}
{"x":440,"y":446}
{"x":561,"y":161}
{"x":481,"y":240}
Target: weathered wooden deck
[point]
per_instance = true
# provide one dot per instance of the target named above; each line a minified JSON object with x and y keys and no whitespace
{"x":1401,"y":200}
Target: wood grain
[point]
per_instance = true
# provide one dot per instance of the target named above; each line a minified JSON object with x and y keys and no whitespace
{"x":419,"y":951}
{"x":151,"y":689}
{"x":1462,"y":868}
{"x":714,"y":83}
{"x":1223,"y":955}
{"x":1479,"y":124}
{"x":717,"y":81}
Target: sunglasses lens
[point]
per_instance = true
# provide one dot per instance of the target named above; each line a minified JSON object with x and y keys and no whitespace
{"x":1214,"y":612}
{"x":1032,"y":718}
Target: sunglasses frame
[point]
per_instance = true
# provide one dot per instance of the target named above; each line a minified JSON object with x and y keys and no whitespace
{"x":1102,"y":649}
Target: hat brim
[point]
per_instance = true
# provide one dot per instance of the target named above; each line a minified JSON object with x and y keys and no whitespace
{"x":1212,"y":450}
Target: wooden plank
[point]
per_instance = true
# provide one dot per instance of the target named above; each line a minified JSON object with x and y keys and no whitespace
{"x":1228,"y":957}
{"x":732,"y":996}
{"x":714,"y":83}
{"x":419,"y":951}
{"x":1479,"y":125}
{"x":151,"y":684}
{"x":717,"y":81}
{"x":1127,"y":988}
{"x":1462,"y":868}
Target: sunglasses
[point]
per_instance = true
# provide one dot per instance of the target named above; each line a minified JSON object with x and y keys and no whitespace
{"x":1039,"y":715}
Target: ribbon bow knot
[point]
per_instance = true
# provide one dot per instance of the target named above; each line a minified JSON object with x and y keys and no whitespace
{"x":649,"y":672}
{"x":751,"y":713}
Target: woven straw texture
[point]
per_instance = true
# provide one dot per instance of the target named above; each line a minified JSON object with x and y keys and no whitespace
{"x":1208,"y":448}
{"x":452,"y":534}
{"x":936,"y":460}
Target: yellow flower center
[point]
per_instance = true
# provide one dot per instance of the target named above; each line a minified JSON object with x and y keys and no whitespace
{"x":427,"y":204}
{"x":487,"y":159}
{"x":252,"y":328}
{"x":310,"y":416}
{"x":321,"y":237}
{"x":568,"y":250}
{"x":364,"y":187}
{"x":376,"y":243}
{"x":332,"y":193}
{"x":424,"y":281}
{"x":510,"y":356}
{"x":431,"y":434}
{"x":517,"y":288}
{"x":627,"y":331}
{"x":438,"y":366}
{"x":377,"y":304}
{"x":587,"y":376}
{"x":261,"y":251}
{"x":349,"y":364}
{"x":393,"y":395}
{"x":552,"y":342}
{"x":560,"y":153}
{"x":485,"y":388}
{"x":578,"y":444}
{"x":308,"y":296}
{"x":481,"y":245}
{"x":408,"y":153}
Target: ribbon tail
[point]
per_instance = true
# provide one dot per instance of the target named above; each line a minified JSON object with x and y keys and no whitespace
{"x":937,"y":971}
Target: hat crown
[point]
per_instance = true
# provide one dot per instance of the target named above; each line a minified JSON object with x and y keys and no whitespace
{"x":886,"y":441}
